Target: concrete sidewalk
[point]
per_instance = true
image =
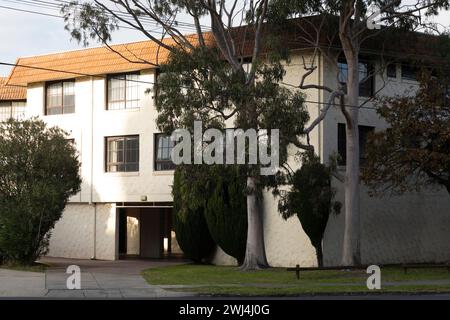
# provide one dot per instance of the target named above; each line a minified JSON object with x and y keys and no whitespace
{"x":99,"y":279}
{"x":22,"y":284}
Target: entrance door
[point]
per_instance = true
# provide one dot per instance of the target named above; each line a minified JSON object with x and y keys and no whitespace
{"x":152,"y":233}
{"x":122,"y":232}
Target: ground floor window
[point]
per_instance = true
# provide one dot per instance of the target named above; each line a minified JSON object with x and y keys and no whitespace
{"x":364,"y":132}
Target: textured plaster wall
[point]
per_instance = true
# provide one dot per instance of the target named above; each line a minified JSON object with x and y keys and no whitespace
{"x":409,"y":228}
{"x":73,"y":235}
{"x":412,"y":228}
{"x":401,"y":229}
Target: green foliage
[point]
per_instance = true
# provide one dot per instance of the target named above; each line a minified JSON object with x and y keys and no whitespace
{"x":200,"y":85}
{"x":39,"y":171}
{"x":86,"y":22}
{"x":189,"y":221}
{"x":218,"y":193}
{"x":226,"y":209}
{"x":415,"y":151}
{"x":400,"y":13}
{"x":311,"y":198}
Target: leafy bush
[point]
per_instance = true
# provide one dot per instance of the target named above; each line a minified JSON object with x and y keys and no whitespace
{"x":226,"y":210}
{"x":189,"y":221}
{"x":311,"y":199}
{"x":39,"y":171}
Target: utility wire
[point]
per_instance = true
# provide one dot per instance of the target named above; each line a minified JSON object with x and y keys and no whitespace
{"x":55,"y":6}
{"x":311,"y":46}
{"x":61,"y":17}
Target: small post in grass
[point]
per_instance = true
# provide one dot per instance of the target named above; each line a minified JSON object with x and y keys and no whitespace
{"x":297,"y":271}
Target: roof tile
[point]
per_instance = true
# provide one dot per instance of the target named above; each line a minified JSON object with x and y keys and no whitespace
{"x":11,"y":93}
{"x":86,"y":62}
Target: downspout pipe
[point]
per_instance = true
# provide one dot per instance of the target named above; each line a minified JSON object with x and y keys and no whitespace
{"x":91,"y":200}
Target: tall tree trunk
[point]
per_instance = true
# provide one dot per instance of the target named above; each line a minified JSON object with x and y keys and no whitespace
{"x":351,"y":246}
{"x":255,"y":253}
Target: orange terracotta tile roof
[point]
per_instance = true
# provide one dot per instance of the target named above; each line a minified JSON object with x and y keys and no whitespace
{"x":10,"y":93}
{"x":125,"y":57}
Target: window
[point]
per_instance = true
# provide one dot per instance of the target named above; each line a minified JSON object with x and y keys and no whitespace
{"x":364,"y":132}
{"x":163,"y":151}
{"x":391,"y":70}
{"x":247,"y":64}
{"x":409,"y":72}
{"x":12,"y":109}
{"x":60,"y":97}
{"x":366,"y":84}
{"x":122,"y":154}
{"x":123,"y":91}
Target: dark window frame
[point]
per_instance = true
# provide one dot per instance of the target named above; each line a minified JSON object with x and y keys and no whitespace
{"x":366,"y":88}
{"x":409,"y":72}
{"x":124,"y":163}
{"x":167,"y":164}
{"x":391,"y":70}
{"x":118,"y":77}
{"x":47,"y":85}
{"x":342,"y":143}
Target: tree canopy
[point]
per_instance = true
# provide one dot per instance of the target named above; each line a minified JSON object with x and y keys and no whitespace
{"x":39,"y":171}
{"x":415,"y":150}
{"x":310,"y":197}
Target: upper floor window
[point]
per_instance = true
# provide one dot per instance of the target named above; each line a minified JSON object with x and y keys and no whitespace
{"x":123,"y":91}
{"x":12,"y":109}
{"x":409,"y":72}
{"x":391,"y":70}
{"x":163,"y":151}
{"x":60,"y":97}
{"x":122,"y":154}
{"x":364,"y":132}
{"x":366,"y":82}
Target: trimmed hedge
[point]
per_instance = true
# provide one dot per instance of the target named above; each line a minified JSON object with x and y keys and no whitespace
{"x":226,"y":211}
{"x":189,"y":223}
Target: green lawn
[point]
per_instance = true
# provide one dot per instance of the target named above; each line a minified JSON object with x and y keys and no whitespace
{"x":38,"y":267}
{"x":218,"y":280}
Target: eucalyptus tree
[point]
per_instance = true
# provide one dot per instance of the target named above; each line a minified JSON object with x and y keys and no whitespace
{"x":340,"y":28}
{"x":208,"y":76}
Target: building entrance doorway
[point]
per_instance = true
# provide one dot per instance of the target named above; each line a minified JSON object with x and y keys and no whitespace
{"x":146,"y":233}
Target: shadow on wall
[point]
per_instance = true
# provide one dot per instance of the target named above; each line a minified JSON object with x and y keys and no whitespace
{"x":412,"y":228}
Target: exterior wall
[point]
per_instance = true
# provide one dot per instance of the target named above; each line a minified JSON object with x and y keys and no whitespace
{"x":410,"y":228}
{"x":74,"y":236}
{"x":89,"y":126}
{"x":286,"y":242}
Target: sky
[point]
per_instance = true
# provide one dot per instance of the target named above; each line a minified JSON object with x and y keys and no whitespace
{"x":25,"y":34}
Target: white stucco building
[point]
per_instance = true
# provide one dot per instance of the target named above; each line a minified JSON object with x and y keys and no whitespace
{"x":105,"y":103}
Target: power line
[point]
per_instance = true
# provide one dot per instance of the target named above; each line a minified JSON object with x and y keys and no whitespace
{"x":61,"y":17}
{"x":154,"y":83}
{"x":363,"y":51}
{"x":126,"y":16}
{"x":118,"y":12}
